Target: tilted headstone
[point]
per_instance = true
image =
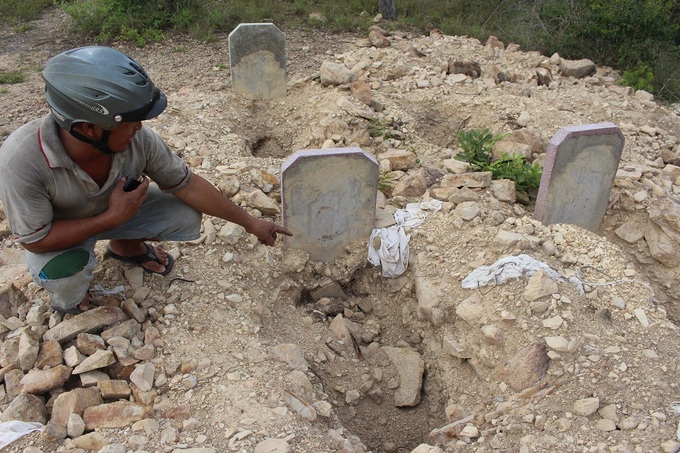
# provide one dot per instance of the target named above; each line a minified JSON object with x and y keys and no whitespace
{"x":328,"y":198}
{"x":257,"y":54}
{"x":578,"y":175}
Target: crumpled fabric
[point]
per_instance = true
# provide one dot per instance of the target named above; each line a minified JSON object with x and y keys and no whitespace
{"x":99,"y":290}
{"x":512,"y":267}
{"x":15,"y":429}
{"x":389,"y":247}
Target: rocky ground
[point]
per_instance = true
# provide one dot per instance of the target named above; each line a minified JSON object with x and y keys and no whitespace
{"x":253,"y":349}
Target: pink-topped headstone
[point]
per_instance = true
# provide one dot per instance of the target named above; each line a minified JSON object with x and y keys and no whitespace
{"x":328,"y":199}
{"x":578,"y":175}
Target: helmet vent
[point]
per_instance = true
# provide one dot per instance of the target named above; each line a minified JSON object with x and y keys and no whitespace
{"x":139,"y":69}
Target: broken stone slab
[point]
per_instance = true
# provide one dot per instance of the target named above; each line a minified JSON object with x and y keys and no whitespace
{"x":74,"y":401}
{"x":91,"y":378}
{"x":263,"y":203}
{"x":29,"y":346}
{"x":292,"y":354}
{"x":51,"y":354}
{"x":444,"y":435}
{"x":526,"y":367}
{"x":86,"y":322}
{"x":399,"y":159}
{"x":25,"y":408}
{"x":13,"y":382}
{"x":132,"y":309}
{"x":10,"y":299}
{"x":126,"y":329}
{"x":38,"y":381}
{"x":577,"y":68}
{"x":143,"y":376}
{"x":100,"y":359}
{"x":586,"y":406}
{"x":114,"y":389}
{"x":470,"y":180}
{"x":300,"y":406}
{"x":410,"y":367}
{"x":472,"y":311}
{"x":118,"y":414}
{"x":331,"y":289}
{"x":271,"y":445}
{"x":416,"y":184}
{"x":540,"y":285}
{"x":88,"y":344}
{"x":506,"y":239}
{"x":666,"y":215}
{"x":335,"y":74}
{"x":629,"y":232}
{"x":88,"y":442}
{"x":452,"y":346}
{"x":428,"y":293}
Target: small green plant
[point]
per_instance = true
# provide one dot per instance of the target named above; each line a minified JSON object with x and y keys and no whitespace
{"x":385,"y":183}
{"x":516,"y":168}
{"x":640,"y":78}
{"x":9,"y":77}
{"x":26,"y":10}
{"x":22,"y":28}
{"x":477,"y":150}
{"x":415,"y":153}
{"x":477,"y":147}
{"x":378,"y":128}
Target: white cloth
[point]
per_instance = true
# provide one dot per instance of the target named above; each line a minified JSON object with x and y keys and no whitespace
{"x":14,"y":429}
{"x":392,"y":252}
{"x":509,"y":267}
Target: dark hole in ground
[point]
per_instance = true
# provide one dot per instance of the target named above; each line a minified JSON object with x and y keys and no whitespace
{"x":360,"y":379}
{"x":268,"y":147}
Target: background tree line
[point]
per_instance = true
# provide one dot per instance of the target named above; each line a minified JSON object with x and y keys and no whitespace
{"x":641,"y":38}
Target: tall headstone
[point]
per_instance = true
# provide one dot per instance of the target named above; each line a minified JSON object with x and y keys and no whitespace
{"x":257,"y":54}
{"x":578,"y":175}
{"x":328,"y":198}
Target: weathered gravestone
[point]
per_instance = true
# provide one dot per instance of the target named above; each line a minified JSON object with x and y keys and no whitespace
{"x":328,"y":198}
{"x":257,"y":54}
{"x":578,"y":175}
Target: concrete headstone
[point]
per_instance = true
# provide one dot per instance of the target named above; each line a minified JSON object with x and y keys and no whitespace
{"x":578,"y":175}
{"x":328,"y":198}
{"x":257,"y":54}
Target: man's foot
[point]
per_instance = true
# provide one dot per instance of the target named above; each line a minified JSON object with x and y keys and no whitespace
{"x":151,"y":259}
{"x":83,"y":306}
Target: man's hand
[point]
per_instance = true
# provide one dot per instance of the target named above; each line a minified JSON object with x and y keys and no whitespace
{"x":124,"y":205}
{"x":266,"y":231}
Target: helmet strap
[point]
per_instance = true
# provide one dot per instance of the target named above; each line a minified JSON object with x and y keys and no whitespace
{"x":102,"y":144}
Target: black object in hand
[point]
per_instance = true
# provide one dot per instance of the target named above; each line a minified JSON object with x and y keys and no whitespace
{"x":131,"y":183}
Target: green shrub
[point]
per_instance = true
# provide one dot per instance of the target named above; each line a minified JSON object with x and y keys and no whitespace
{"x":641,"y":78}
{"x":9,"y":77}
{"x":525,"y":175}
{"x":477,"y":150}
{"x":629,"y":35}
{"x":477,"y":147}
{"x":140,"y":21}
{"x":14,"y":11}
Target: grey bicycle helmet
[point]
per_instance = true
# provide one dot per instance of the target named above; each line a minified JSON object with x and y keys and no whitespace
{"x":99,"y":85}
